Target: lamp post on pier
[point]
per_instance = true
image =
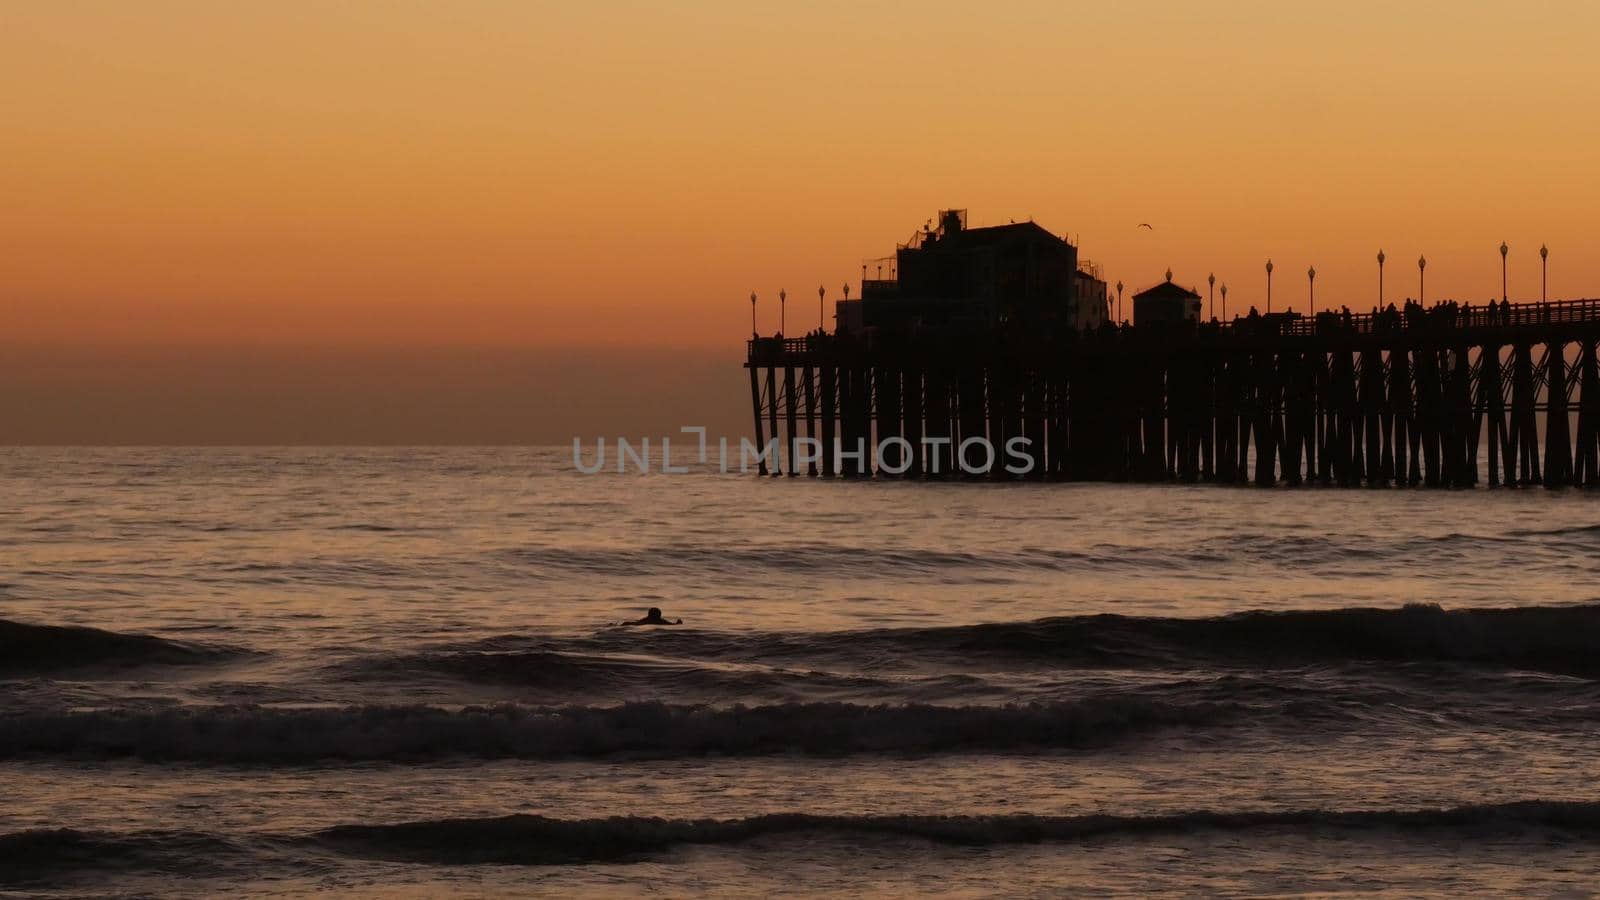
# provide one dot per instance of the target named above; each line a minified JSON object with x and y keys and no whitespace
{"x":783,"y":311}
{"x":1503,"y":251}
{"x":1269,"y":287}
{"x":1311,"y":276}
{"x":1380,"y":278}
{"x":820,"y":292}
{"x":1422,"y":280}
{"x":1119,"y":303}
{"x":753,"y":331}
{"x":1211,"y":301}
{"x":1224,"y":301}
{"x":1544,"y":273}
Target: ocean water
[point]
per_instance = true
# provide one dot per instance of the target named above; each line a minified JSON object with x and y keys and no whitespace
{"x":392,"y":672}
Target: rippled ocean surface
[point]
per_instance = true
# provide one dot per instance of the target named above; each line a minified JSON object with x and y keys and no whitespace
{"x":271,"y":672}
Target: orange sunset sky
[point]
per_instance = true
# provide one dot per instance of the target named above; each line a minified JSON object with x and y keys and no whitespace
{"x":496,"y":221}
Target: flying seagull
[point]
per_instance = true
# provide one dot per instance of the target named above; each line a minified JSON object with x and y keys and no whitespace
{"x":1147,"y":225}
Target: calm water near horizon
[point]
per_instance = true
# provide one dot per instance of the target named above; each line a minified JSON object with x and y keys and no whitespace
{"x":393,"y":671}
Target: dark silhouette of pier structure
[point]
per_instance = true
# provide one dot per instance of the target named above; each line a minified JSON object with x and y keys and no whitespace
{"x":1358,"y":400}
{"x":1414,"y":397}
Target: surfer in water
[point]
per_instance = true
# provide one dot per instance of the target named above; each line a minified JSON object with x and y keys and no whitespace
{"x":652,"y":616}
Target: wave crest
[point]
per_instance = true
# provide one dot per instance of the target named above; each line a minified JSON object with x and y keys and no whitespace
{"x":248,"y":734}
{"x":1561,"y":640}
{"x":45,"y":853}
{"x":27,"y":649}
{"x":536,"y":840}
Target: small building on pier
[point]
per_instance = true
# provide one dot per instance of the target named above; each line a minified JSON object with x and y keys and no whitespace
{"x":847,"y":316}
{"x":1165,"y":304}
{"x":1091,"y":298}
{"x":949,"y":275}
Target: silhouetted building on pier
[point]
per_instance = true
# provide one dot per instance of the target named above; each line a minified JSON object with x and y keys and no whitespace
{"x":1091,"y":298}
{"x":1165,"y":304}
{"x":847,"y":317}
{"x":952,"y":276}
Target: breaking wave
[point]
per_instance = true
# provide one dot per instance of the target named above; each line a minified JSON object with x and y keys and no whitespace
{"x":537,"y":840}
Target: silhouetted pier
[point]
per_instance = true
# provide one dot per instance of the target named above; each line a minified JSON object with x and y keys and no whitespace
{"x":1345,"y":400}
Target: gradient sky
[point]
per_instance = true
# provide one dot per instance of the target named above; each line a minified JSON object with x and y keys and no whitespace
{"x":252,"y":198}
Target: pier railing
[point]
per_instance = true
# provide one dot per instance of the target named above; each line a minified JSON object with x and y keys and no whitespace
{"x":784,"y":345}
{"x":1494,"y":315}
{"x":1442,"y":317}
